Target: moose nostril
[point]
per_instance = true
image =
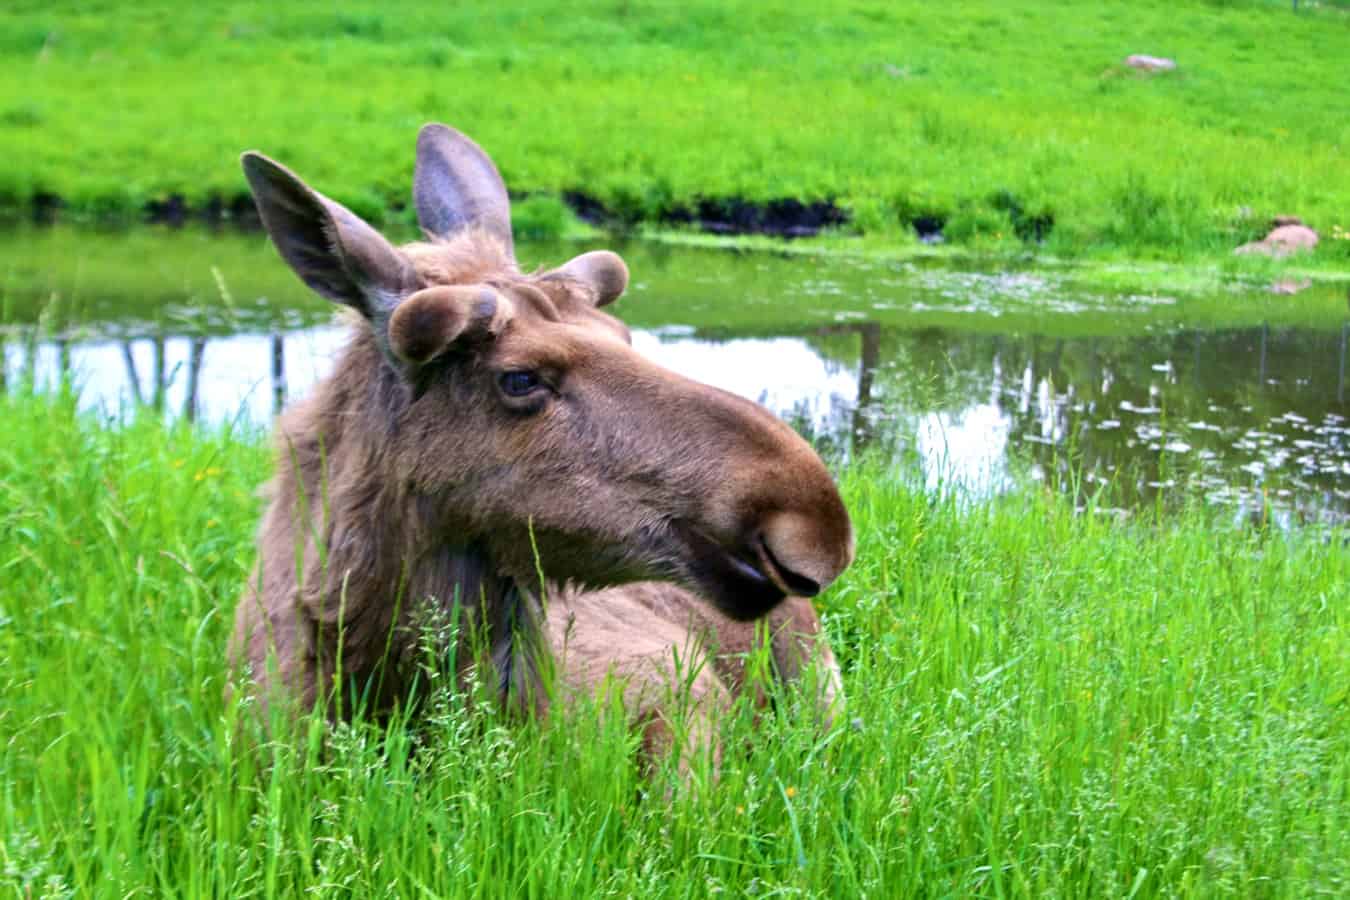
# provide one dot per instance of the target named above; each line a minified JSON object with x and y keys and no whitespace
{"x":796,"y":583}
{"x":805,"y":551}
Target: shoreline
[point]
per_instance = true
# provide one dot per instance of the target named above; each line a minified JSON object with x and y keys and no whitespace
{"x":784,"y":227}
{"x":897,"y":126}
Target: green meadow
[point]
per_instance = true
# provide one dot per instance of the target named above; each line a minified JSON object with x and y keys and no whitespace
{"x":1047,"y":695}
{"x":1042,"y":701}
{"x":1014,"y":123}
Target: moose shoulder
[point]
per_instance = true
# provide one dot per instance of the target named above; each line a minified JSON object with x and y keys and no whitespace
{"x":485,"y":425}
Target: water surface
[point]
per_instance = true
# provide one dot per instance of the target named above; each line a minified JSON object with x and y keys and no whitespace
{"x":978,"y":377}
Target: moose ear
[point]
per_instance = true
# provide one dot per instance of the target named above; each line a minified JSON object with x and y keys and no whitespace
{"x":330,"y":248}
{"x":600,"y":270}
{"x":426,"y":324}
{"x":456,"y":186}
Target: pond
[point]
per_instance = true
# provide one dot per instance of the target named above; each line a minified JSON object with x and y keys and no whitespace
{"x":980,"y":378}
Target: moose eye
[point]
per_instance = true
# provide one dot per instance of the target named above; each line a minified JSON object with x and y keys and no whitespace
{"x":519,"y":383}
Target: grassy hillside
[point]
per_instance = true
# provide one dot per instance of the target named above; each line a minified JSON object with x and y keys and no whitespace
{"x":992,"y":118}
{"x":1044,"y":703}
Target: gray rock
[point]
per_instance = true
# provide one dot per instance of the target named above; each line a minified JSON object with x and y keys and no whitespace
{"x":1290,"y":285}
{"x":1150,"y":63}
{"x":1281,"y":242}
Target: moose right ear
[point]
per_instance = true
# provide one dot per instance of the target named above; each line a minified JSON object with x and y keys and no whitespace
{"x":456,"y":186}
{"x":329,"y":247}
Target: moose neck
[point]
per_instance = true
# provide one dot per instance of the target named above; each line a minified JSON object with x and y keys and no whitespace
{"x":380,"y":557}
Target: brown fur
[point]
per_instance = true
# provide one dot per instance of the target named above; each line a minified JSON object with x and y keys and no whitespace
{"x":414,"y":486}
{"x":669,"y":651}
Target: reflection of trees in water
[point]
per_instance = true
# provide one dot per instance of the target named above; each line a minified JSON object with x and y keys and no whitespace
{"x":149,"y":389}
{"x":869,"y":359}
{"x":63,"y":356}
{"x":1340,"y":367}
{"x":133,"y":377}
{"x":1201,"y":406}
{"x":1247,"y":407}
{"x":196,"y":352}
{"x":159,"y":378}
{"x":278,"y":373}
{"x":1212,"y":408}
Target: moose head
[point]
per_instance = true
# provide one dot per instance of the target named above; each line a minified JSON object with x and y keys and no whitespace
{"x":485,"y":425}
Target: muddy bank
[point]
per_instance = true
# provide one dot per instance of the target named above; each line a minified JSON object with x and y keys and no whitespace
{"x":174,"y":211}
{"x":785,"y":217}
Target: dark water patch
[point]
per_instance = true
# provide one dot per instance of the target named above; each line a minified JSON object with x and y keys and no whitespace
{"x":1028,"y":226}
{"x":46,"y":208}
{"x":173,"y":210}
{"x":588,"y":209}
{"x":786,"y":217}
{"x":929,"y":228}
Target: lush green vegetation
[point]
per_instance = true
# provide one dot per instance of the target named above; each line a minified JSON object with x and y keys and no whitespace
{"x":991,"y":116}
{"x":1042,"y":700}
{"x":1046,"y":702}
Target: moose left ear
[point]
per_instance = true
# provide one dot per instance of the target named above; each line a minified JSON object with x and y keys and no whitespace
{"x":600,"y":270}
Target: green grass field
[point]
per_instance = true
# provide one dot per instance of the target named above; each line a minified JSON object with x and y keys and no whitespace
{"x":987,"y":115}
{"x":1046,"y":703}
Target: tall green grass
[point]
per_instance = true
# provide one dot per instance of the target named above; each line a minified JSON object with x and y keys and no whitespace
{"x":1041,"y":702}
{"x":989,"y":115}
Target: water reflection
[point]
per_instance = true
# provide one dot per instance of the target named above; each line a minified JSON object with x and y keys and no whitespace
{"x":1249,"y":417}
{"x":980,"y":378}
{"x":242,"y":378}
{"x":1340,"y":369}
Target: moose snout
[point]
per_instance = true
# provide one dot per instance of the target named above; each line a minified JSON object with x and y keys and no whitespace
{"x":778,"y":507}
{"x":806,"y":551}
{"x":780,"y":546}
{"x":757,"y":515}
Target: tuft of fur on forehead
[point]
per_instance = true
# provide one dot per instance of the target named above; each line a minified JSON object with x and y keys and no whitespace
{"x":470,"y":257}
{"x":476,"y":257}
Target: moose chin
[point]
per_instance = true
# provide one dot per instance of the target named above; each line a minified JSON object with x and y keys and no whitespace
{"x":485,"y":425}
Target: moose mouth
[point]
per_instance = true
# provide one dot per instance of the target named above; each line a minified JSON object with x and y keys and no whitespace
{"x":742,"y":582}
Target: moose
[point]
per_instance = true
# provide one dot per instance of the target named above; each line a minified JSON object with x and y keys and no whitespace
{"x":489,"y":448}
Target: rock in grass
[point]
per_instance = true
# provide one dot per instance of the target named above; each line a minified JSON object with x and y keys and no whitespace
{"x":1290,"y":285}
{"x":1282,"y":241}
{"x":1150,"y":63}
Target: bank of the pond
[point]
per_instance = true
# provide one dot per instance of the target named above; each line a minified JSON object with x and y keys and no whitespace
{"x":1041,"y":701}
{"x":895,"y":121}
{"x":71,"y":278}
